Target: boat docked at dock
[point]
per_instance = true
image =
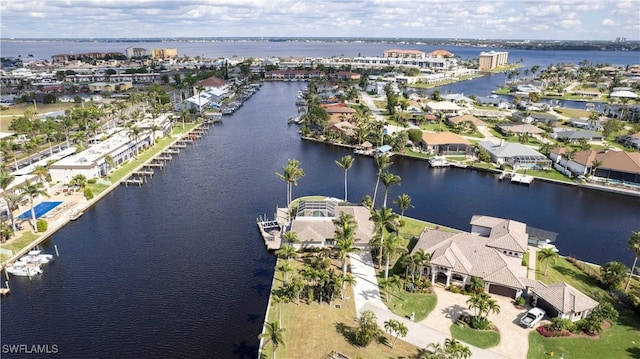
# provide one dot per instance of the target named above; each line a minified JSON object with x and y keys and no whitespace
{"x":22,"y":269}
{"x":35,"y":256}
{"x":439,"y":161}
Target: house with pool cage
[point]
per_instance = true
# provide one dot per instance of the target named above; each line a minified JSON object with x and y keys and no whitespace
{"x":515,"y":155}
{"x":313,"y":222}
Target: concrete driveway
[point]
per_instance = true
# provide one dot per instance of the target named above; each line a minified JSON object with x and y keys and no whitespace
{"x":514,"y":340}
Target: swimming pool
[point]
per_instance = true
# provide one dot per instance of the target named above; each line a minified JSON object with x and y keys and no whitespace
{"x":41,"y":209}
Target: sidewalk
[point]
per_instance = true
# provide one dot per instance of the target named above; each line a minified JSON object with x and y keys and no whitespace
{"x":367,"y":297}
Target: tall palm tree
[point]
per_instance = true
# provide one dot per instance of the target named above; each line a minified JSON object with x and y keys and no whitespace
{"x":389,"y":179}
{"x":570,"y":155}
{"x":345,"y":246}
{"x":396,"y":327}
{"x":404,"y":203}
{"x":6,"y":178}
{"x":422,"y":259}
{"x":382,"y":162}
{"x":31,"y":190}
{"x":384,"y":219}
{"x":345,"y":163}
{"x":274,"y":334}
{"x":345,"y":227}
{"x":634,"y":245}
{"x":284,"y":268}
{"x":286,"y":252}
{"x":547,"y":255}
{"x":134,"y":134}
{"x":594,"y":166}
{"x":291,"y":173}
{"x":42,"y":172}
{"x":393,"y":247}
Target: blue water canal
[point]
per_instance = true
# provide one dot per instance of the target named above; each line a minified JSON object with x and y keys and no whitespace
{"x":177,"y":268}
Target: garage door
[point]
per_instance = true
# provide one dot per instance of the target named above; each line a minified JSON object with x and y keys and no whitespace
{"x":500,"y":290}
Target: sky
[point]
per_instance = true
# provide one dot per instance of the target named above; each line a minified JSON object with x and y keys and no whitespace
{"x":480,"y":19}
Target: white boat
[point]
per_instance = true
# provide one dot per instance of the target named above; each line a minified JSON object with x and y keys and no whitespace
{"x":35,"y":256}
{"x":75,"y":214}
{"x":439,"y":161}
{"x":21,"y":269}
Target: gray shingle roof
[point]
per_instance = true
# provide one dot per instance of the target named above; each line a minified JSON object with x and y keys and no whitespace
{"x":564,"y":297}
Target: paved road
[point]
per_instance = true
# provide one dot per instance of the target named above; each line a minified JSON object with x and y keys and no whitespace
{"x":434,"y":329}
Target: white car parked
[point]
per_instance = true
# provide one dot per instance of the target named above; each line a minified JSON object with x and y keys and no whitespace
{"x":532,"y":317}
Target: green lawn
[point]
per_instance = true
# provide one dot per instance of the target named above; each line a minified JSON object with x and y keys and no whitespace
{"x":404,"y":304}
{"x":330,"y":329}
{"x":615,"y":342}
{"x":480,"y":338}
{"x":551,"y":174}
{"x":18,"y":243}
{"x":573,"y":112}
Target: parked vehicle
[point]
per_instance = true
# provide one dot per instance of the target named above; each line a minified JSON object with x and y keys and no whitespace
{"x":532,"y":317}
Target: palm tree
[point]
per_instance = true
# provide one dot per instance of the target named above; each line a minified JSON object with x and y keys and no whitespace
{"x":382,"y":162}
{"x":422,"y":259}
{"x":384,"y":218}
{"x":404,"y":203}
{"x":290,"y":237}
{"x":134,"y":134}
{"x":456,"y":349}
{"x":153,"y":129}
{"x":31,"y":190}
{"x":547,"y":255}
{"x":634,"y":245}
{"x":108,"y":160}
{"x":393,"y":247}
{"x":483,"y":304}
{"x":594,"y":166}
{"x":274,"y":334}
{"x":42,"y":172}
{"x":388,"y":179}
{"x":5,"y":180}
{"x":345,"y":163}
{"x":284,"y":268}
{"x":570,"y":154}
{"x":291,"y":173}
{"x":397,"y":327}
{"x":286,"y":252}
{"x":345,"y":227}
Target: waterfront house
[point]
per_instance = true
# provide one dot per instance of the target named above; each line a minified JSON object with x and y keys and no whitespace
{"x":344,"y":129}
{"x":458,"y":121}
{"x":572,"y":136}
{"x":339,"y":112}
{"x":209,"y":83}
{"x":561,"y":300}
{"x":446,"y":143}
{"x":519,"y":129}
{"x":443,"y":107}
{"x":514,"y":154}
{"x":492,"y":251}
{"x":614,"y":165}
{"x":314,"y":223}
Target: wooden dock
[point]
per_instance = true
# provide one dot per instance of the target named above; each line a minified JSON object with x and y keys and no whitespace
{"x":133,"y":181}
{"x":522,"y":179}
{"x":270,"y":231}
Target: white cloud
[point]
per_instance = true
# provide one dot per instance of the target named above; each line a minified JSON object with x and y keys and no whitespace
{"x":608,"y":22}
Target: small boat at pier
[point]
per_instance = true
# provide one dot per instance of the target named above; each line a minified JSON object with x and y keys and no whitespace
{"x":22,"y":269}
{"x":35,"y":256}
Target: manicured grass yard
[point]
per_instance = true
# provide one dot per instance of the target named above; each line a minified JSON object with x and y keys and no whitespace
{"x":480,"y":338}
{"x":314,"y":330}
{"x":622,"y":340}
{"x":404,"y":304}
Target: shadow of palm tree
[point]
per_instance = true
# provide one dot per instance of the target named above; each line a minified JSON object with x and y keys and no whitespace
{"x":349,"y":333}
{"x":244,"y":350}
{"x":634,"y":352}
{"x":454,"y":312}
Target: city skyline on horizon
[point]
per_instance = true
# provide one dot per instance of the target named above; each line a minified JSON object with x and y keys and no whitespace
{"x":539,"y":20}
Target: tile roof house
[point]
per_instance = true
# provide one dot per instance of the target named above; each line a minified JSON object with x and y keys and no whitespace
{"x":209,"y":83}
{"x":514,"y":154}
{"x":576,"y":135}
{"x":458,"y":120}
{"x":446,"y":143}
{"x":619,"y":165}
{"x":492,"y":251}
{"x":563,"y":301}
{"x":443,"y":106}
{"x":344,"y":128}
{"x":314,"y":223}
{"x":516,"y":129}
{"x":339,"y":112}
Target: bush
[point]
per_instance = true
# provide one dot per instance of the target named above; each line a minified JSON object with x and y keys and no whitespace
{"x":454,"y":289}
{"x":479,"y":323}
{"x":88,"y":193}
{"x":42,"y":225}
{"x":520,"y":301}
{"x":92,"y":181}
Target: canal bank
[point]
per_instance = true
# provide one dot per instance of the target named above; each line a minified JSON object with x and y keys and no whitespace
{"x":74,"y":205}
